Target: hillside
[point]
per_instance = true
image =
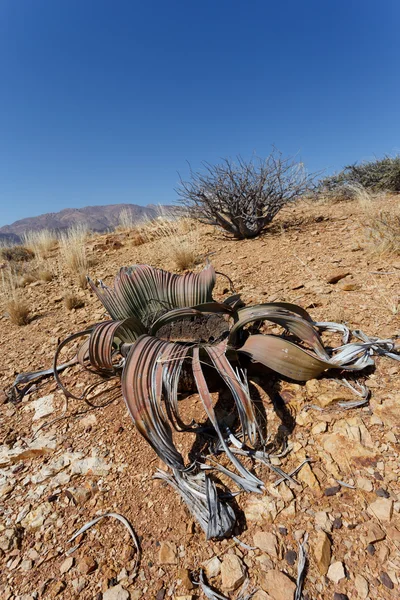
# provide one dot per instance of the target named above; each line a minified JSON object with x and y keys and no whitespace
{"x":96,"y":218}
{"x":87,"y":460}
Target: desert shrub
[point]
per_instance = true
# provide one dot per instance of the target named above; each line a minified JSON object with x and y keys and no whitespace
{"x":377,"y":175}
{"x":243,"y":197}
{"x":73,"y":301}
{"x":40,"y":242}
{"x":16,"y":254}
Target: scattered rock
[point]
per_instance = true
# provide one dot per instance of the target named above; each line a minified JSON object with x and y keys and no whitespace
{"x":93,"y":465}
{"x":381,"y":493}
{"x":260,"y":595}
{"x":87,"y":565}
{"x":382,"y":509}
{"x":322,"y":552}
{"x":278,"y":585}
{"x":336,"y":572}
{"x":307,"y":477}
{"x":374,"y":533}
{"x":332,"y":491}
{"x":322,"y":521}
{"x":337,"y":276}
{"x":116,"y":593}
{"x":339,"y":596}
{"x":290,"y":557}
{"x":38,"y":447}
{"x":267,"y":542}
{"x":365,"y":484}
{"x":212,"y":567}
{"x":362,"y":586}
{"x":66,"y":565}
{"x":233,"y":572}
{"x":43,"y":407}
{"x":386,"y":581}
{"x":371,"y":549}
{"x":55,"y":588}
{"x":167,"y":554}
{"x":184,"y":576}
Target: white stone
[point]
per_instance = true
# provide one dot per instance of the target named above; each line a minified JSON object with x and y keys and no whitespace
{"x":116,"y":593}
{"x":361,"y":586}
{"x":336,"y":572}
{"x":43,"y":407}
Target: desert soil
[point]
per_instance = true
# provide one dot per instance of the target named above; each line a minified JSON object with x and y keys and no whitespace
{"x":90,"y":460}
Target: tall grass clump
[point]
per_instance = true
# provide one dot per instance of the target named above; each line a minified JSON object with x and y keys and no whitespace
{"x":126,"y":220}
{"x":40,"y":242}
{"x":382,"y":231}
{"x":73,"y":250}
{"x":16,"y":309}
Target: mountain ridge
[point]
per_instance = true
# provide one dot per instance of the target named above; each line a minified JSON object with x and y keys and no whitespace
{"x":97,"y":218}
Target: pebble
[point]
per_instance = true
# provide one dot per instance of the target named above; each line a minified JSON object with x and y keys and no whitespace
{"x":362,"y":587}
{"x":66,"y":565}
{"x":87,"y":565}
{"x":336,"y":572}
{"x":277,"y":585}
{"x":337,"y":523}
{"x":167,"y":554}
{"x":290,"y":557}
{"x":382,"y":493}
{"x":331,"y":491}
{"x":371,"y":549}
{"x":386,"y":581}
{"x":184,"y":576}
{"x":233,"y":572}
{"x":267,"y":542}
{"x":382,"y":509}
{"x":212,"y":567}
{"x":374,"y":533}
{"x":116,"y":593}
{"x":322,"y":552}
{"x":338,"y":596}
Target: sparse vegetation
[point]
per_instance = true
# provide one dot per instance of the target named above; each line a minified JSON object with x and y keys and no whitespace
{"x":382,"y":231}
{"x":126,"y":221}
{"x":243,"y":197}
{"x":40,"y":242}
{"x":73,"y":301}
{"x":16,"y":254}
{"x":18,"y":312}
{"x":379,"y":175}
{"x":73,"y":250}
{"x":45,"y":275}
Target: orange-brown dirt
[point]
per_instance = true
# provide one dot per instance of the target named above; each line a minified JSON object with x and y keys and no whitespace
{"x":40,"y":509}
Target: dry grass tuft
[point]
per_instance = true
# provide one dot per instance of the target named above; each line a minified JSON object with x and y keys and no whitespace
{"x":45,"y":275}
{"x":40,"y":242}
{"x":73,"y":301}
{"x":73,"y":249}
{"x":183,"y":252}
{"x":126,"y":221}
{"x":382,"y":231}
{"x":18,"y":312}
{"x":16,"y":254}
{"x":82,"y":280}
{"x":26,"y":279}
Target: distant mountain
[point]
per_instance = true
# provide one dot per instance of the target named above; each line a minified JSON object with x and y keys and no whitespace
{"x":96,"y":218}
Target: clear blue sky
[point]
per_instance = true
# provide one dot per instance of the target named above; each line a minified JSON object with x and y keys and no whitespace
{"x":105,"y":101}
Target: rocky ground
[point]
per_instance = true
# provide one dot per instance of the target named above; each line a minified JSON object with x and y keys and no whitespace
{"x":62,"y":465}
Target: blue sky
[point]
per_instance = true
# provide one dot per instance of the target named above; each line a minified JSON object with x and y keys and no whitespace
{"x":105,"y":101}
